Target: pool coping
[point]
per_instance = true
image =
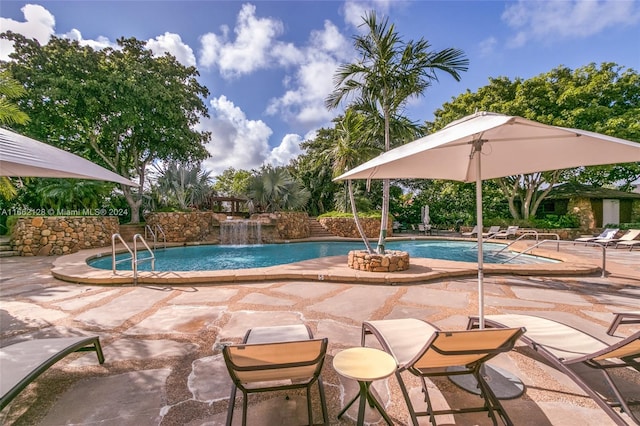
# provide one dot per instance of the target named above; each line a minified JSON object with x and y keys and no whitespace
{"x":74,"y":268}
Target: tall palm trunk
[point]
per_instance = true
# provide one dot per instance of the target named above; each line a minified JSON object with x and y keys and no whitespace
{"x":384,"y":220}
{"x":352,"y":199}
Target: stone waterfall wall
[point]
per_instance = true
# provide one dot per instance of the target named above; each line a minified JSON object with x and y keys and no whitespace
{"x":185,"y":227}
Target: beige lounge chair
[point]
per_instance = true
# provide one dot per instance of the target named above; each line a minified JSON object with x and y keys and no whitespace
{"x":21,"y":363}
{"x":491,"y":232}
{"x":629,"y":239}
{"x":608,"y":233}
{"x":507,"y":233}
{"x":424,"y":351}
{"x":628,"y":317}
{"x":276,"y":358}
{"x":473,"y":232}
{"x":424,"y":228}
{"x":564,"y":347}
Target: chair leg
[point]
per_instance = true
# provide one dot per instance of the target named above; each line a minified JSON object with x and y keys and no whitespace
{"x":232,"y":402}
{"x":244,"y":408}
{"x":491,"y":400}
{"x":427,"y":399}
{"x":614,"y":324}
{"x":323,"y":402}
{"x":309,"y":408}
{"x":624,"y":407}
{"x":405,"y":393}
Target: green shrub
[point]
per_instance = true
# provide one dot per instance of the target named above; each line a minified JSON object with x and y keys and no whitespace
{"x":625,"y":226}
{"x":11,"y":222}
{"x":369,"y":214}
{"x":552,"y":221}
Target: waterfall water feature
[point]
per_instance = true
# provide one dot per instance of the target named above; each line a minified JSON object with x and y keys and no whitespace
{"x":240,"y":232}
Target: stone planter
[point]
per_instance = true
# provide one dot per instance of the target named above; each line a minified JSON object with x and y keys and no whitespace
{"x":391,"y":261}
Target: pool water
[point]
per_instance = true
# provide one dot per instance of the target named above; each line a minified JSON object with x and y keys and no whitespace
{"x":223,"y":257}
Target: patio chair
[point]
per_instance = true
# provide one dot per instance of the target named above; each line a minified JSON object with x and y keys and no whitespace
{"x":629,"y":239}
{"x":273,"y":359}
{"x":473,"y":232}
{"x":627,"y":236}
{"x":608,"y":233}
{"x":424,"y":228}
{"x":628,"y":317}
{"x":21,"y":363}
{"x":507,"y":233}
{"x":491,"y":232}
{"x":425,"y":351}
{"x":565,"y":347}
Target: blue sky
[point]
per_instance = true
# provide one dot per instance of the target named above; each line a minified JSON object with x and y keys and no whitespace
{"x":269,"y":64}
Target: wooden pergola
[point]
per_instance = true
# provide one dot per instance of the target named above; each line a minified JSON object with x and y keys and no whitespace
{"x":216,"y":203}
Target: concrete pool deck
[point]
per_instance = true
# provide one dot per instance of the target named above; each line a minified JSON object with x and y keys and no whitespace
{"x":162,"y":342}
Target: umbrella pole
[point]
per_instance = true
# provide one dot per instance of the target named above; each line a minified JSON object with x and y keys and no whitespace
{"x":504,"y":384}
{"x":477,"y":153}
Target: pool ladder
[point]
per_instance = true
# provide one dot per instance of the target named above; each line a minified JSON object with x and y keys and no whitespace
{"x":135,"y":260}
{"x":155,"y":231}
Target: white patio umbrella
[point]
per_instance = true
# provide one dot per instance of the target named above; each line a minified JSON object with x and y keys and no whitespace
{"x":27,"y":157}
{"x":426,"y":219}
{"x":487,"y":145}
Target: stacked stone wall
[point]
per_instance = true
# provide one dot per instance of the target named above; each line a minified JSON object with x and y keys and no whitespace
{"x":581,"y":207}
{"x":289,"y":225}
{"x":346,"y":227}
{"x":57,"y":235}
{"x":185,"y":227}
{"x":392,"y":261}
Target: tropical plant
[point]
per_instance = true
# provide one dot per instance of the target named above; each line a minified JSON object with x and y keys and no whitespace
{"x":351,"y":148}
{"x":389,"y":73}
{"x":232,"y":182}
{"x":10,"y":113}
{"x":315,"y":171}
{"x":273,"y":189}
{"x":64,"y":195}
{"x":183,"y":184}
{"x":123,"y":108}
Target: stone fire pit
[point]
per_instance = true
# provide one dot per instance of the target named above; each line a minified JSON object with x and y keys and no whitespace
{"x":391,"y":261}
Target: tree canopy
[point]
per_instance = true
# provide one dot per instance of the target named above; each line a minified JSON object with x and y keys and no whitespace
{"x":603,"y":99}
{"x":122,"y":108}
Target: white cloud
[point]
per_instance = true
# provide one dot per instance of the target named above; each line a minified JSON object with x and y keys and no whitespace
{"x":354,"y":11}
{"x":100,"y":43}
{"x":173,"y":44}
{"x":288,"y":149}
{"x":312,"y":81}
{"x":38,"y":24}
{"x":550,"y":20}
{"x":250,"y":51}
{"x":487,"y":46}
{"x":236,"y":141}
{"x":239,"y":142}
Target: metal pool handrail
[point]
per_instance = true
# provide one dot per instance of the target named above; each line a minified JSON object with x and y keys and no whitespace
{"x":134,"y":254}
{"x":539,"y":243}
{"x":154,"y":234}
{"x":525,"y":234}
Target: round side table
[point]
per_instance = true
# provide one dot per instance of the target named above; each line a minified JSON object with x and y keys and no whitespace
{"x":364,"y":365}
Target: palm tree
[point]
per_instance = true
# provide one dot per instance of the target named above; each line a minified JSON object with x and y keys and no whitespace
{"x":10,"y":113}
{"x":186,"y":185}
{"x":72,"y":194}
{"x":274,"y":189}
{"x":389,"y":73}
{"x":351,"y":149}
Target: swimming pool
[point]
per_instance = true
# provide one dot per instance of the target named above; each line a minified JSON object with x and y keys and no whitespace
{"x":225,"y":257}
